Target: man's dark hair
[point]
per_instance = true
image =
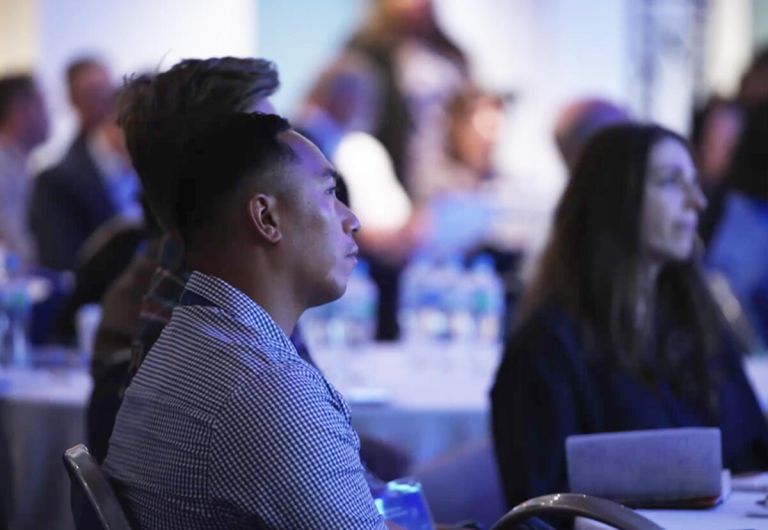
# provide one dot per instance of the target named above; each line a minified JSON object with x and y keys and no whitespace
{"x":157,"y":112}
{"x":14,"y":88}
{"x":217,"y":160}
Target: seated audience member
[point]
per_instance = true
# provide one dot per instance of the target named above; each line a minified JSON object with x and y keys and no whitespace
{"x":474,"y":120}
{"x":140,"y":302}
{"x":461,"y":192}
{"x":225,"y":425}
{"x":715,"y":131}
{"x":418,"y":67}
{"x":740,"y":235}
{"x":23,"y":126}
{"x":618,"y":330}
{"x":93,"y":182}
{"x":753,"y":87}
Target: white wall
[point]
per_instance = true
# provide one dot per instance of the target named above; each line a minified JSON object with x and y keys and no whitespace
{"x":18,"y":35}
{"x":134,"y":36}
{"x":301,"y":36}
{"x":548,"y":52}
{"x":727,"y":55}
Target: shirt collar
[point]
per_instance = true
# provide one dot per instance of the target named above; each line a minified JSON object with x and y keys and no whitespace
{"x":240,"y":306}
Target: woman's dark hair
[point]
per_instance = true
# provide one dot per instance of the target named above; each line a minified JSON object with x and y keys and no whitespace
{"x":591,"y":266}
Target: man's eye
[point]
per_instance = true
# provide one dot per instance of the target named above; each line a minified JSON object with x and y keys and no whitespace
{"x":670,"y":180}
{"x":331,"y":190}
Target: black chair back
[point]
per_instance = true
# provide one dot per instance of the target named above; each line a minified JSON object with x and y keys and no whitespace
{"x":94,"y":503}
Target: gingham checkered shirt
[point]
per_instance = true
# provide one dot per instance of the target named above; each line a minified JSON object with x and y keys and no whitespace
{"x":225,"y":426}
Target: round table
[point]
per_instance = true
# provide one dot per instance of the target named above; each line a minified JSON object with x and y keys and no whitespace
{"x":42,"y":413}
{"x":427,"y":398}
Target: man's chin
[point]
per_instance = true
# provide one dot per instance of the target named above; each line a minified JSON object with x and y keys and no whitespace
{"x":331,"y":294}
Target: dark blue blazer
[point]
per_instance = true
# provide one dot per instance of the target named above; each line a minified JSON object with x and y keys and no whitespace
{"x":69,"y":202}
{"x":549,"y":386}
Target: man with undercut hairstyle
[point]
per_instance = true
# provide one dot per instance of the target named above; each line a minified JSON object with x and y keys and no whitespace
{"x":154,"y":113}
{"x":224,"y":425}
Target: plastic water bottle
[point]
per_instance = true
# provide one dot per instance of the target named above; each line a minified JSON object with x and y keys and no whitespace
{"x":358,"y":307}
{"x":413,"y":297}
{"x":402,"y":502}
{"x":349,"y":321}
{"x":433,"y":321}
{"x":487,"y":299}
{"x":458,"y":303}
{"x":14,"y":305}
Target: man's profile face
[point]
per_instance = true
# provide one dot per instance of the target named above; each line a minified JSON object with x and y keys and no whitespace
{"x":92,"y":94}
{"x":318,"y":228}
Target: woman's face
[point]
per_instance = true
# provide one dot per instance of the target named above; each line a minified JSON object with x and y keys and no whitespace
{"x":671,"y":205}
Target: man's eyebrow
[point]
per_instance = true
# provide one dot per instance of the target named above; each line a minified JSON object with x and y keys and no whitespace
{"x":331,"y":173}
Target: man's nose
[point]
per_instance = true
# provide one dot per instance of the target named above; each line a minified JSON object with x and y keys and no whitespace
{"x":350,"y":222}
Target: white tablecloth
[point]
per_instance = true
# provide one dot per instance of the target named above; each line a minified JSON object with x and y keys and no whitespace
{"x":427,"y":399}
{"x":733,"y":514}
{"x":42,"y":413}
{"x":433,"y":397}
{"x":433,"y":402}
{"x":430,"y":400}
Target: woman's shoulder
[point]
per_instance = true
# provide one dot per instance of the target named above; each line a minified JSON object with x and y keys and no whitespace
{"x":549,"y":319}
{"x":550,"y":331}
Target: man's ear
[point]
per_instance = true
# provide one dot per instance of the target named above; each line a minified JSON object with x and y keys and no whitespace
{"x":264,"y":218}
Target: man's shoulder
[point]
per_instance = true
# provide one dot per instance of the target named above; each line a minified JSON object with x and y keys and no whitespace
{"x":220,"y":328}
{"x":209,"y":338}
{"x":74,"y":167}
{"x":290,"y":382}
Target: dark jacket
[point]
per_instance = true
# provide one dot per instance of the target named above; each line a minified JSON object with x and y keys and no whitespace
{"x":69,"y":202}
{"x":546,"y":389}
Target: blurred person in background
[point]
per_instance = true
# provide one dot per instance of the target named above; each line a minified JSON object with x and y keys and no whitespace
{"x":754,"y":83}
{"x":618,"y":330}
{"x":23,"y":126}
{"x":579,"y":121}
{"x":738,"y":239}
{"x":418,"y":69}
{"x":475,"y":118}
{"x":459,"y":192}
{"x":716,"y":128}
{"x":575,"y":124}
{"x":93,"y":183}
